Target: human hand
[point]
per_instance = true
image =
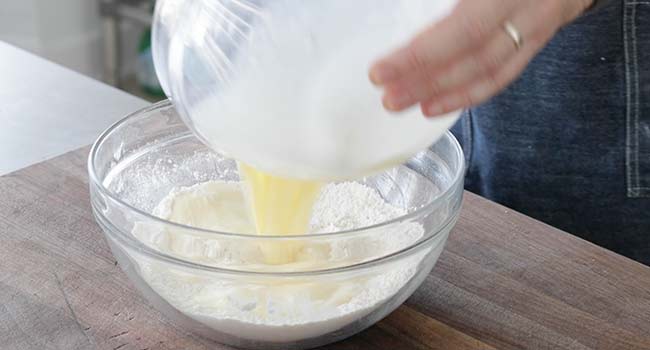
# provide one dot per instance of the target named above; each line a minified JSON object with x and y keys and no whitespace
{"x":470,"y":56}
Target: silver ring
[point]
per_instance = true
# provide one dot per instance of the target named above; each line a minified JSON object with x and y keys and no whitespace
{"x":514,"y":34}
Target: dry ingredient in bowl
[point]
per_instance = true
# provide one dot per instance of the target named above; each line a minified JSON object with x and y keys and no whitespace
{"x":267,"y":308}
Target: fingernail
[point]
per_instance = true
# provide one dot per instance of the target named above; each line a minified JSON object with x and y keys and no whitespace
{"x":389,"y":105}
{"x":397,"y":101}
{"x":434,"y":110}
{"x":382,"y":73}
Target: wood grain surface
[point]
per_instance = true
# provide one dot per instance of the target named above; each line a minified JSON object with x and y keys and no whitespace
{"x":504,"y":281}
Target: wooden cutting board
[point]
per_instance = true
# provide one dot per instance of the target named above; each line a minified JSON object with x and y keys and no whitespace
{"x":504,"y":281}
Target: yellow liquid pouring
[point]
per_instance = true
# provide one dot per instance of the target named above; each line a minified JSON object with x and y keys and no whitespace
{"x":280,"y":206}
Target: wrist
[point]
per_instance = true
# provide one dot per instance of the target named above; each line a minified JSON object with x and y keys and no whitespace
{"x":595,"y":5}
{"x":573,"y":9}
{"x":587,"y":4}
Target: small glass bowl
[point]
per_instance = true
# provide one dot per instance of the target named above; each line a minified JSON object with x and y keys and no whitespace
{"x":137,"y":161}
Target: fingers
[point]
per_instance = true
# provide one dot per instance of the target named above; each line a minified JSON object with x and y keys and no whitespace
{"x":532,"y":22}
{"x":469,"y":57}
{"x":481,"y":62}
{"x":481,"y":89}
{"x":469,"y":26}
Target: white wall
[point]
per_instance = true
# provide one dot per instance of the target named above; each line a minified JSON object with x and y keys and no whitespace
{"x":69,"y":32}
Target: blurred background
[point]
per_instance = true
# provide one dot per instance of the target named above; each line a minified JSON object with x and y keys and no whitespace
{"x":108,"y":40}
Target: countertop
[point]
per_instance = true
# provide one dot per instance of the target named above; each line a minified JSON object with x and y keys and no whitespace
{"x":47,"y":110}
{"x":504,"y":280}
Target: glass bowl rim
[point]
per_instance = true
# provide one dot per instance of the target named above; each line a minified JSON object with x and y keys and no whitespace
{"x":99,"y":186}
{"x":380,"y":260}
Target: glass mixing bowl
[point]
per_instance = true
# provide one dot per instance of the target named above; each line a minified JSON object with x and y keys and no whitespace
{"x":305,"y":65}
{"x":137,"y":161}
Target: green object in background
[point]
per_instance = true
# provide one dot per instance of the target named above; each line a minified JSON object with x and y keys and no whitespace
{"x":146,"y":72}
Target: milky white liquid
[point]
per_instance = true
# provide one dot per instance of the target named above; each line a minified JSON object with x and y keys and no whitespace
{"x":292,"y":101}
{"x":291,"y":95}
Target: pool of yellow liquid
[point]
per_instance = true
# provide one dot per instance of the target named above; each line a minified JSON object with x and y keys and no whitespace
{"x":280,"y":207}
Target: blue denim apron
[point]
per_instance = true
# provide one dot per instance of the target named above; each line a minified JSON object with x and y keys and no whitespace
{"x":569,"y":142}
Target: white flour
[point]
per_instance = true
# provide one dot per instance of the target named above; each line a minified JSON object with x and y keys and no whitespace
{"x":275,"y":308}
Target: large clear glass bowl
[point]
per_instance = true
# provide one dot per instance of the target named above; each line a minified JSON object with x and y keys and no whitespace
{"x":137,"y":161}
